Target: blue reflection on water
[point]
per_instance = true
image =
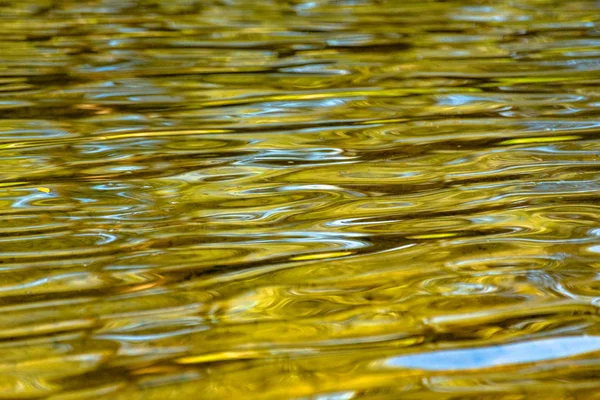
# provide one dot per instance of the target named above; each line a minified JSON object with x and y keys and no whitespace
{"x":493,"y":356}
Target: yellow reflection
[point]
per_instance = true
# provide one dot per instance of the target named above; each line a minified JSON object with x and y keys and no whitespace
{"x":540,"y":140}
{"x":321,"y":256}
{"x":434,"y":236}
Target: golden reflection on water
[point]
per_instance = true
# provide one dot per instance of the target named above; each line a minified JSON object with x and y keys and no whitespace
{"x":325,"y":200}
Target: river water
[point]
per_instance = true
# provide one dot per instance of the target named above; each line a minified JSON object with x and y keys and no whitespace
{"x":326,"y":200}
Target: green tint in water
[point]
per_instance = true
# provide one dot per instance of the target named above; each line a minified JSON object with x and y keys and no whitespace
{"x":304,"y":199}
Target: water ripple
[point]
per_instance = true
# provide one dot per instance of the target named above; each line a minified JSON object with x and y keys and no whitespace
{"x":304,"y":199}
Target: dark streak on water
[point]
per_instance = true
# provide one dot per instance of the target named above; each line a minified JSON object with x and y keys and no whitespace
{"x":299,"y":199}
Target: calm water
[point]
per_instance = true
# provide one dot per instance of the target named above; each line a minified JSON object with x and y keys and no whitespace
{"x":299,"y":199}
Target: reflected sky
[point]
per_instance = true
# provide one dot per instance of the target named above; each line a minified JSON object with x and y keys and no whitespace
{"x":502,"y":355}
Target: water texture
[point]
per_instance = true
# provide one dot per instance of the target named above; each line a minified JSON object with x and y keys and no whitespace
{"x":326,"y":200}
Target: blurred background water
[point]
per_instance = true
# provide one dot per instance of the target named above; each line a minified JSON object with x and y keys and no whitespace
{"x":325,"y":200}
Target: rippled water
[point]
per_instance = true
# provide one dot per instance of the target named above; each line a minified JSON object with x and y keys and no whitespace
{"x":305,"y":199}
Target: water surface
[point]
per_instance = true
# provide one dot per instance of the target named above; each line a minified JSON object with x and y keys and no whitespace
{"x":299,"y":199}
